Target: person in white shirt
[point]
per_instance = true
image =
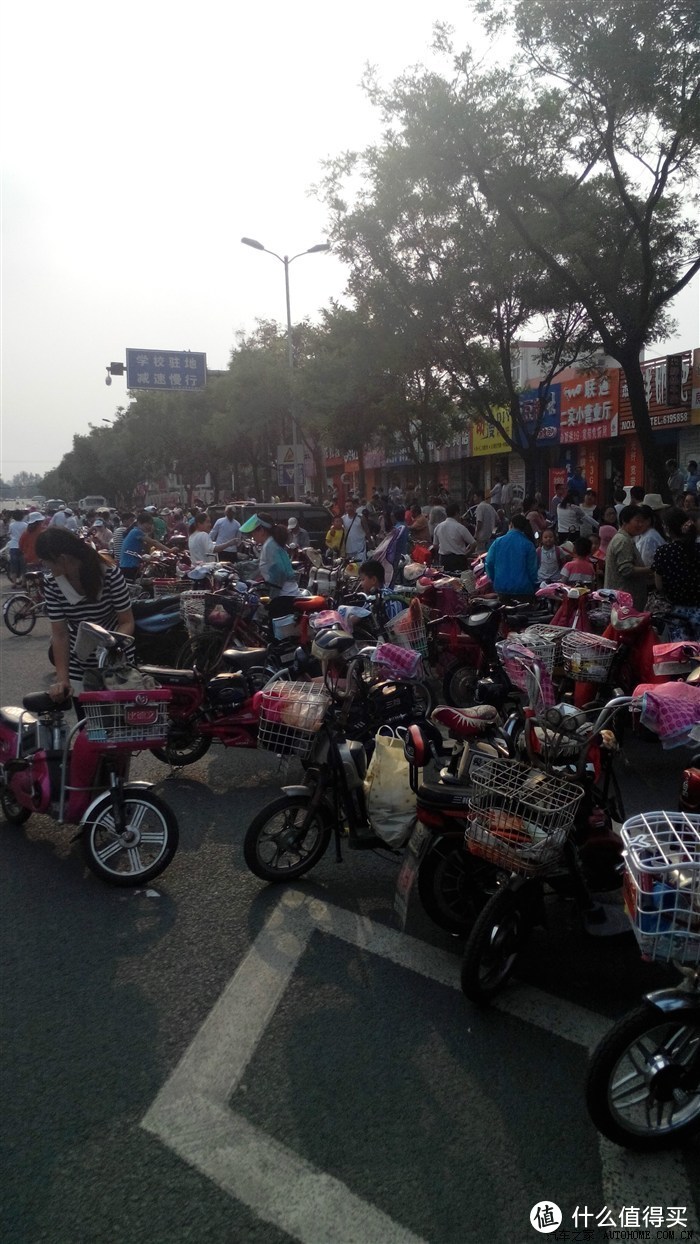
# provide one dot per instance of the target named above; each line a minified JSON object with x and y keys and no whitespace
{"x":224,"y":534}
{"x":16,"y":529}
{"x":453,"y":541}
{"x":200,"y":542}
{"x":354,"y":544}
{"x":496,"y":493}
{"x":650,"y":538}
{"x":486,"y":522}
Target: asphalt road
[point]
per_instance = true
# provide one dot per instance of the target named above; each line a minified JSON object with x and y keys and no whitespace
{"x":217,"y":1060}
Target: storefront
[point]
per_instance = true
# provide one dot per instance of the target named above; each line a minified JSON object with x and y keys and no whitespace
{"x":669,"y":398}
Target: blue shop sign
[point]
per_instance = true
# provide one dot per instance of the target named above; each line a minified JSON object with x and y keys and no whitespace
{"x":529,"y":409}
{"x":176,"y":371}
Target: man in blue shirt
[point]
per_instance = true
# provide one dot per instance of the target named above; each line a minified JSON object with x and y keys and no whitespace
{"x":136,"y":542}
{"x":511,"y":562}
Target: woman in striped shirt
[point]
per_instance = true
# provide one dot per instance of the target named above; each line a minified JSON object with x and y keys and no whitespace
{"x":79,"y":588}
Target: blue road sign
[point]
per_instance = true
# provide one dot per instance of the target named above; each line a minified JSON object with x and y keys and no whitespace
{"x":183,"y":371}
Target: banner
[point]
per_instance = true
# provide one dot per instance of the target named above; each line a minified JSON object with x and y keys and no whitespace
{"x":487,"y":440}
{"x":589,"y":407}
{"x":529,"y":411}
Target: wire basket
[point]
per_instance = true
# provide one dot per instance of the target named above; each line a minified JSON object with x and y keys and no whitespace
{"x":130,"y":720}
{"x":519,"y":817}
{"x":168,"y":587}
{"x":408,"y":630}
{"x":192,"y":612}
{"x":545,"y":642}
{"x":587,"y":658}
{"x":291,"y":714}
{"x":662,"y":884}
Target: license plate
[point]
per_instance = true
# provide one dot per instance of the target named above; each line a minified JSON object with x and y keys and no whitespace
{"x":417,"y":846}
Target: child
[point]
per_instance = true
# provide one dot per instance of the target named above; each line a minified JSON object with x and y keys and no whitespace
{"x":334,"y":535}
{"x":372,"y":579}
{"x":550,"y":559}
{"x":580,"y":571}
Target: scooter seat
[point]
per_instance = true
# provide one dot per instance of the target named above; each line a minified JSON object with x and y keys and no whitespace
{"x":465,"y":723}
{"x":10,"y":717}
{"x":244,"y":658}
{"x":447,"y":796}
{"x":170,"y":677}
{"x":148,"y":608}
{"x":309,"y":604}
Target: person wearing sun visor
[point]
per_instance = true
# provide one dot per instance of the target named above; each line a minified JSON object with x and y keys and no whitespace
{"x":276,"y":569}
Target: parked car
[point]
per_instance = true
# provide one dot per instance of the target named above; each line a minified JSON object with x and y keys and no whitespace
{"x":97,"y":502}
{"x":53,"y":505}
{"x":315,"y":519}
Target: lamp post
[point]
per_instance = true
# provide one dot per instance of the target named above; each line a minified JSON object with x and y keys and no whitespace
{"x":285,"y":260}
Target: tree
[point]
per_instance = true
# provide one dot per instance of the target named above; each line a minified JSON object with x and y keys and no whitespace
{"x":432,"y":265}
{"x":587,"y":146}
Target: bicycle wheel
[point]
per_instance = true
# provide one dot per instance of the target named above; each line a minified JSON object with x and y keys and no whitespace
{"x":145,"y":847}
{"x":280,"y":845}
{"x":185,"y":745}
{"x":19,"y":614}
{"x":494,"y":944}
{"x":643,"y":1082}
{"x":453,"y":886}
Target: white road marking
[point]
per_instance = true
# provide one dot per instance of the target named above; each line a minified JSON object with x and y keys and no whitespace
{"x":192,"y":1115}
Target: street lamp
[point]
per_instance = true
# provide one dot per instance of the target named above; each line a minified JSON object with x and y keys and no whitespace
{"x":284,"y":259}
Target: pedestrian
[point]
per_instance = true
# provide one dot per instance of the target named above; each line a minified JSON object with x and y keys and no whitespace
{"x":16,"y":530}
{"x":692,"y":478}
{"x":297,"y":536}
{"x":676,"y":479}
{"x":569,"y":517}
{"x":357,"y":533}
{"x":550,"y":558}
{"x":80,"y":587}
{"x":138,"y":541}
{"x":35,"y":524}
{"x":511,"y":562}
{"x":200,"y":543}
{"x":486,"y":520}
{"x":453,"y":542}
{"x":624,"y":569}
{"x":559,"y":494}
{"x":225,"y":535}
{"x":419,"y":525}
{"x":651,"y":537}
{"x":677,"y":576}
{"x":580,"y":571}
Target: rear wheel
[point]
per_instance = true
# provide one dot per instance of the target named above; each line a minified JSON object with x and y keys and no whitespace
{"x":12,"y":810}
{"x":494,"y":944}
{"x":459,"y":685}
{"x":643,"y":1083}
{"x":142,"y":850}
{"x":185,"y":745}
{"x":19,"y":615}
{"x":284,"y":841}
{"x":453,"y":886}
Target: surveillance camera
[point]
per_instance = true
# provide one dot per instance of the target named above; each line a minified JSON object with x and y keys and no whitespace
{"x":108,"y":379}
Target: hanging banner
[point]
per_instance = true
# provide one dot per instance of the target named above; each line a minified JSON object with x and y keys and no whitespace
{"x":662,"y":413}
{"x":634,"y":463}
{"x":529,"y":411}
{"x":589,"y":407}
{"x":487,"y":440}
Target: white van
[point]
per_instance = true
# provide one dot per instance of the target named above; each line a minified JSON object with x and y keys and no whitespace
{"x":94,"y":503}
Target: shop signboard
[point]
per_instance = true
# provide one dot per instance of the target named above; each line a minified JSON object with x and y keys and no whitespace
{"x":662,"y":413}
{"x":589,"y":407}
{"x":695,"y":397}
{"x":486,"y":439}
{"x":529,"y":411}
{"x":634,"y":463}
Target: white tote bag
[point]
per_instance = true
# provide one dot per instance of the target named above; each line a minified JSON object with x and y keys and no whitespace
{"x":391,"y":804}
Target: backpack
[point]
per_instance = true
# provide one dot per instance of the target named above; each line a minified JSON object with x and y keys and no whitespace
{"x":560,"y":556}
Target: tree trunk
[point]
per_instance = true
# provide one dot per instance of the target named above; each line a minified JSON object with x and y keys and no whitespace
{"x":361,"y":470}
{"x":652,"y":453}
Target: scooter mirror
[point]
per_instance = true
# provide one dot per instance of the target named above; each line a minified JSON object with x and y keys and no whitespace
{"x":90,"y":637}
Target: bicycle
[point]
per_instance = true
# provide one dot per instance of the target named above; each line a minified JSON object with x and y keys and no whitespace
{"x":21,"y":610}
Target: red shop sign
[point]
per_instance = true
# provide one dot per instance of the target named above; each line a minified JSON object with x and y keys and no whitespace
{"x":589,"y":407}
{"x":655,"y":376}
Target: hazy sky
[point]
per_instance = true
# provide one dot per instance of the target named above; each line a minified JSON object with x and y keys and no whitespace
{"x":140,"y":142}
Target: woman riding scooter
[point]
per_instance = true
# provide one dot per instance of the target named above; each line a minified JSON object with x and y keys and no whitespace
{"x":276,"y":569}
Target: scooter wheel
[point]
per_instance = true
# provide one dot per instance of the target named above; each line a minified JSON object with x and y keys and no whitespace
{"x":642,"y":1087}
{"x":276,"y":847}
{"x":459,"y":685}
{"x":453,"y":886}
{"x":182,"y":749}
{"x":143,"y":851}
{"x":13,"y":812}
{"x":492,"y":951}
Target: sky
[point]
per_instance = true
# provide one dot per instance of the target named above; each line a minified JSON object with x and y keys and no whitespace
{"x":139,"y":143}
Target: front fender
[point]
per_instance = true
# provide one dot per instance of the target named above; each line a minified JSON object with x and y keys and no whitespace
{"x":326,"y":805}
{"x":105,"y":794}
{"x":669,"y":1001}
